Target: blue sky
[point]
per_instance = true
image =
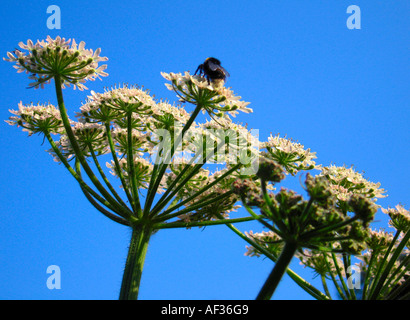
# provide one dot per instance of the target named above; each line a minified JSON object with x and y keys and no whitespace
{"x":343,"y":93}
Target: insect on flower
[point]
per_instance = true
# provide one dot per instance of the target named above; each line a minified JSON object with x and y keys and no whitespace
{"x":212,"y":70}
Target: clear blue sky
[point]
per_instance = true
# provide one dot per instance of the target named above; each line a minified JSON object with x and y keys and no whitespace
{"x":343,"y":93}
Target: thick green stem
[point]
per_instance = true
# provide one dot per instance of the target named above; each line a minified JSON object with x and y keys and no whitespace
{"x":278,"y":271}
{"x":135,"y":262}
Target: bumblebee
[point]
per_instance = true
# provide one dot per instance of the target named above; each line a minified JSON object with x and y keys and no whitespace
{"x":212,"y":70}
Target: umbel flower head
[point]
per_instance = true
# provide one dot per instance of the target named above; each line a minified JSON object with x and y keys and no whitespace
{"x":268,"y":239}
{"x":46,"y":59}
{"x":115,"y":103}
{"x":91,"y":138}
{"x":290,"y":154}
{"x":213,"y":97}
{"x":36,"y":118}
{"x":346,"y":181}
{"x":321,"y":262}
{"x":400,"y":217}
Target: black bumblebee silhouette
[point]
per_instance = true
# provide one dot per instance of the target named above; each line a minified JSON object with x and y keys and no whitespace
{"x":212,"y":70}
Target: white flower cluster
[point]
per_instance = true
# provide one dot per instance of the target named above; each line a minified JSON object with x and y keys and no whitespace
{"x":36,"y":118}
{"x":120,"y":99}
{"x":379,"y":244}
{"x":321,"y":262}
{"x":400,"y":217}
{"x":346,"y":181}
{"x":290,"y":154}
{"x":267,"y":239}
{"x":143,"y":170}
{"x":215,"y":98}
{"x":47,"y":58}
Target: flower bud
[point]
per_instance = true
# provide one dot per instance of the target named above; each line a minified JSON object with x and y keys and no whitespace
{"x":270,"y":170}
{"x":248,"y":191}
{"x":364,"y":208}
{"x":242,"y":187}
{"x":319,"y":190}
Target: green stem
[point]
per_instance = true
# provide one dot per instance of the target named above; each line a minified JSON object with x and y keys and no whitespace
{"x":380,"y":267}
{"x":274,"y":216}
{"x":197,"y":205}
{"x":397,"y":275}
{"x":406,"y":296}
{"x":367,"y":278}
{"x":339,"y":274}
{"x":135,"y":262}
{"x":309,"y":288}
{"x":108,"y":214}
{"x":154,"y":184}
{"x":104,"y":177}
{"x":304,"y":219}
{"x":261,"y":219}
{"x":79,"y":179}
{"x":162,"y":202}
{"x":79,"y":154}
{"x":324,"y":283}
{"x":278,"y":271}
{"x":376,"y":292}
{"x":198,"y":193}
{"x":131,"y":167}
{"x":176,"y":180}
{"x":402,"y":289}
{"x":326,"y":229}
{"x":347,"y":263}
{"x":117,"y":164}
{"x":336,"y":284}
{"x":182,"y":224}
